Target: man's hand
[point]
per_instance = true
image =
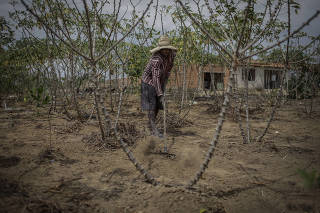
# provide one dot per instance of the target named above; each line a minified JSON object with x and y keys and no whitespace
{"x":161,"y":99}
{"x":174,"y":53}
{"x":172,"y":56}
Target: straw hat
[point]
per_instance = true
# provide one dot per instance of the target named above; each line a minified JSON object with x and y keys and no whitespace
{"x":164,"y":43}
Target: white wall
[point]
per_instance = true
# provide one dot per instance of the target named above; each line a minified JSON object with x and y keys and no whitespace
{"x":259,"y":78}
{"x":257,"y":83}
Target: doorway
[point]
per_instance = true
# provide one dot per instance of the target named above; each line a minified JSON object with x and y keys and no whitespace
{"x":213,"y":81}
{"x":271,"y":79}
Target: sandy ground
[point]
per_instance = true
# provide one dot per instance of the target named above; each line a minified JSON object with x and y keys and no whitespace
{"x":79,"y":175}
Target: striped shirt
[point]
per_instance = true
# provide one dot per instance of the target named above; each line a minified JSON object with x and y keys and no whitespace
{"x":157,"y":71}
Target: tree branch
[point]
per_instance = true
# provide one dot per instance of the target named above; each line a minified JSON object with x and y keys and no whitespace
{"x":124,"y":36}
{"x":89,"y":29}
{"x":221,"y":48}
{"x":52,"y":31}
{"x":273,"y":17}
{"x":282,"y":40}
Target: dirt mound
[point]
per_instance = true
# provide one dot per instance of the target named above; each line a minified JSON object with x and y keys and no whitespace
{"x":174,"y":121}
{"x":213,"y":108}
{"x":51,"y":155}
{"x":38,"y":205}
{"x":6,"y":162}
{"x":9,"y":188}
{"x":75,"y":126}
{"x":13,"y":194}
{"x":216,"y":108}
{"x":128,"y":132}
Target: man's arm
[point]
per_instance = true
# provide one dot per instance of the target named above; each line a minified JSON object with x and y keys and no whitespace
{"x":156,"y":71}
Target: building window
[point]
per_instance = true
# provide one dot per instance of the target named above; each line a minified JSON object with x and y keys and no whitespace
{"x":213,"y":81}
{"x":272,"y":79}
{"x":249,"y":74}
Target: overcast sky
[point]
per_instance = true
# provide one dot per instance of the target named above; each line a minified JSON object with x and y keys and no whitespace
{"x":308,"y":7}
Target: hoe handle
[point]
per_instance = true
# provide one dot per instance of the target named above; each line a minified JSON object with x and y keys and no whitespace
{"x":164,"y":122}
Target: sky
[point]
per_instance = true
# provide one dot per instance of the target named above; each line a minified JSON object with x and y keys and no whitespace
{"x":308,"y":7}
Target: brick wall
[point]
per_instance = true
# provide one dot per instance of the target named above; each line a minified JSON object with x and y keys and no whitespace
{"x":194,"y":75}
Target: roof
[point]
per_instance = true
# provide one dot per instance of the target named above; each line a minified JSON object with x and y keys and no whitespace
{"x":219,"y":68}
{"x":258,"y":63}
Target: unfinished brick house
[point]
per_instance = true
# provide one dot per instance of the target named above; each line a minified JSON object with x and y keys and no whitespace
{"x":260,"y":75}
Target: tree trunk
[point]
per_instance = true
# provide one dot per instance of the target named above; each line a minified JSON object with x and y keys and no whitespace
{"x":216,"y":135}
{"x":73,"y":89}
{"x":184,"y":72}
{"x":247,"y":105}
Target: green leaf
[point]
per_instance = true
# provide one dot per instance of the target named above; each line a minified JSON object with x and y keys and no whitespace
{"x":46,"y":100}
{"x":203,"y":211}
{"x":309,"y":179}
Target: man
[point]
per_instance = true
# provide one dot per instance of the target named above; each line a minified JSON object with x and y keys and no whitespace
{"x":154,"y":80}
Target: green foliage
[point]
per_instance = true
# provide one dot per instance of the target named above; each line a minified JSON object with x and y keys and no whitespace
{"x":203,"y":211}
{"x":295,"y":6}
{"x":17,"y":63}
{"x":137,"y":60}
{"x":295,"y":54}
{"x":311,"y":180}
{"x":13,"y":78}
{"x":38,"y":96}
{"x":305,"y":82}
{"x":12,"y":74}
{"x":6,"y":33}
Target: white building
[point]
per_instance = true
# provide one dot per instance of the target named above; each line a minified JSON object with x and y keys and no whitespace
{"x":261,"y":75}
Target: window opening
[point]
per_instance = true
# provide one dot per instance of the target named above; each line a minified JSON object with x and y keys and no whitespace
{"x":249,"y":74}
{"x":271,"y":79}
{"x":213,"y":81}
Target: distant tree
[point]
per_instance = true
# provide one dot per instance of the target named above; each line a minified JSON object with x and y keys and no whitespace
{"x":6,"y":34}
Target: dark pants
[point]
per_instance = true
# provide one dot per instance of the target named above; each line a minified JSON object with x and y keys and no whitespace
{"x":149,"y":99}
{"x":151,"y":102}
